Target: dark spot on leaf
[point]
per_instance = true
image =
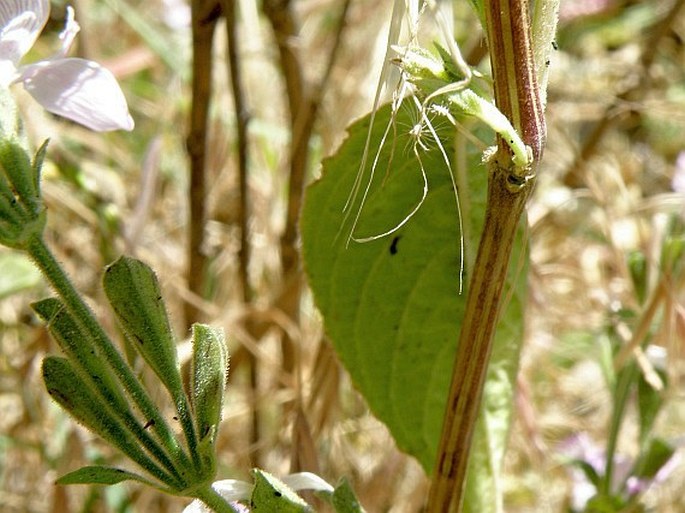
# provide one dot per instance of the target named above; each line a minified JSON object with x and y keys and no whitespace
{"x":393,"y":244}
{"x":175,"y":417}
{"x":277,"y":493}
{"x":555,"y":45}
{"x":149,"y":423}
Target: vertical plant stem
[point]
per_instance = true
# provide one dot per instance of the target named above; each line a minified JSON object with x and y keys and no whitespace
{"x":626,"y":378}
{"x":475,"y":341}
{"x":303,"y":105}
{"x":205,"y":14}
{"x":50,"y":268}
{"x":517,"y":97}
{"x":242,"y":121}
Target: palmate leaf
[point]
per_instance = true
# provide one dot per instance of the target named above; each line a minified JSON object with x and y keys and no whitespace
{"x":391,"y":306}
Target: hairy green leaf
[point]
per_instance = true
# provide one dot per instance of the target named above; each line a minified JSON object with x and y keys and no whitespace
{"x":67,"y":387}
{"x":134,"y":293}
{"x":392,"y":306}
{"x":101,"y":475}
{"x":208,"y":373}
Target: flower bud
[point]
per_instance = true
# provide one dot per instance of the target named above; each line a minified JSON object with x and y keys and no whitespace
{"x":22,"y":213}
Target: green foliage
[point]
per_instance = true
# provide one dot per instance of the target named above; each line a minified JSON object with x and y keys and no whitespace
{"x":653,"y":458}
{"x":78,"y":345}
{"x":89,"y":388}
{"x":344,"y":499}
{"x":271,"y":494}
{"x":649,"y":402}
{"x":208,"y":373}
{"x":76,"y":395}
{"x":133,"y":291}
{"x":392,"y":306}
{"x":100,"y":475}
{"x":22,"y":214}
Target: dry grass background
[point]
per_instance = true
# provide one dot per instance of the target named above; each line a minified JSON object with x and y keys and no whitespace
{"x":126,"y":192}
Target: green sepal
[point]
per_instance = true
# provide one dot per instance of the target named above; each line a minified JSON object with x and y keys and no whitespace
{"x":134,"y":293}
{"x":22,"y":214}
{"x":37,"y":164}
{"x":208,"y":374}
{"x":344,"y":500}
{"x":19,"y":171}
{"x":69,"y":390}
{"x":10,"y":210}
{"x":98,"y":474}
{"x":271,"y":494}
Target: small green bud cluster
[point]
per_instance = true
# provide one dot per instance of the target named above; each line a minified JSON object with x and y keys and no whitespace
{"x":22,"y":213}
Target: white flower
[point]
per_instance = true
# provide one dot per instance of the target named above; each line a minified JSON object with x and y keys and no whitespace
{"x":234,"y":490}
{"x":77,"y":89}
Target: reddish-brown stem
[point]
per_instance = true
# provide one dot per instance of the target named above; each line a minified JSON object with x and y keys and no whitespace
{"x":517,"y":97}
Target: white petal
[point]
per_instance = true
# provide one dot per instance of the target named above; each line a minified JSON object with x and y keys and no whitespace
{"x":21,"y":21}
{"x":233,"y":489}
{"x":230,"y":490}
{"x":80,"y":90}
{"x":196,"y":507}
{"x":71,"y":28}
{"x":307,"y":481}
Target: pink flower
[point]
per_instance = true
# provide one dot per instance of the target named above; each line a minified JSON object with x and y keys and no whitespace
{"x":77,"y":89}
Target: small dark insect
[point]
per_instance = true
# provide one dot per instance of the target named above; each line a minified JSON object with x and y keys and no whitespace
{"x":393,"y":244}
{"x":149,"y":423}
{"x":555,"y":45}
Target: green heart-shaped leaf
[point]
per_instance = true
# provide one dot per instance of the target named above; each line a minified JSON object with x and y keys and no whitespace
{"x":392,"y":306}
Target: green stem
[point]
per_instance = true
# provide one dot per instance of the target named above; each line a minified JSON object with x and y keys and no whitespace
{"x":213,"y":500}
{"x":83,"y":315}
{"x":624,"y":385}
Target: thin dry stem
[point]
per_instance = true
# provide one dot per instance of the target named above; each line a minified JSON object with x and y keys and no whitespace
{"x":205,"y":14}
